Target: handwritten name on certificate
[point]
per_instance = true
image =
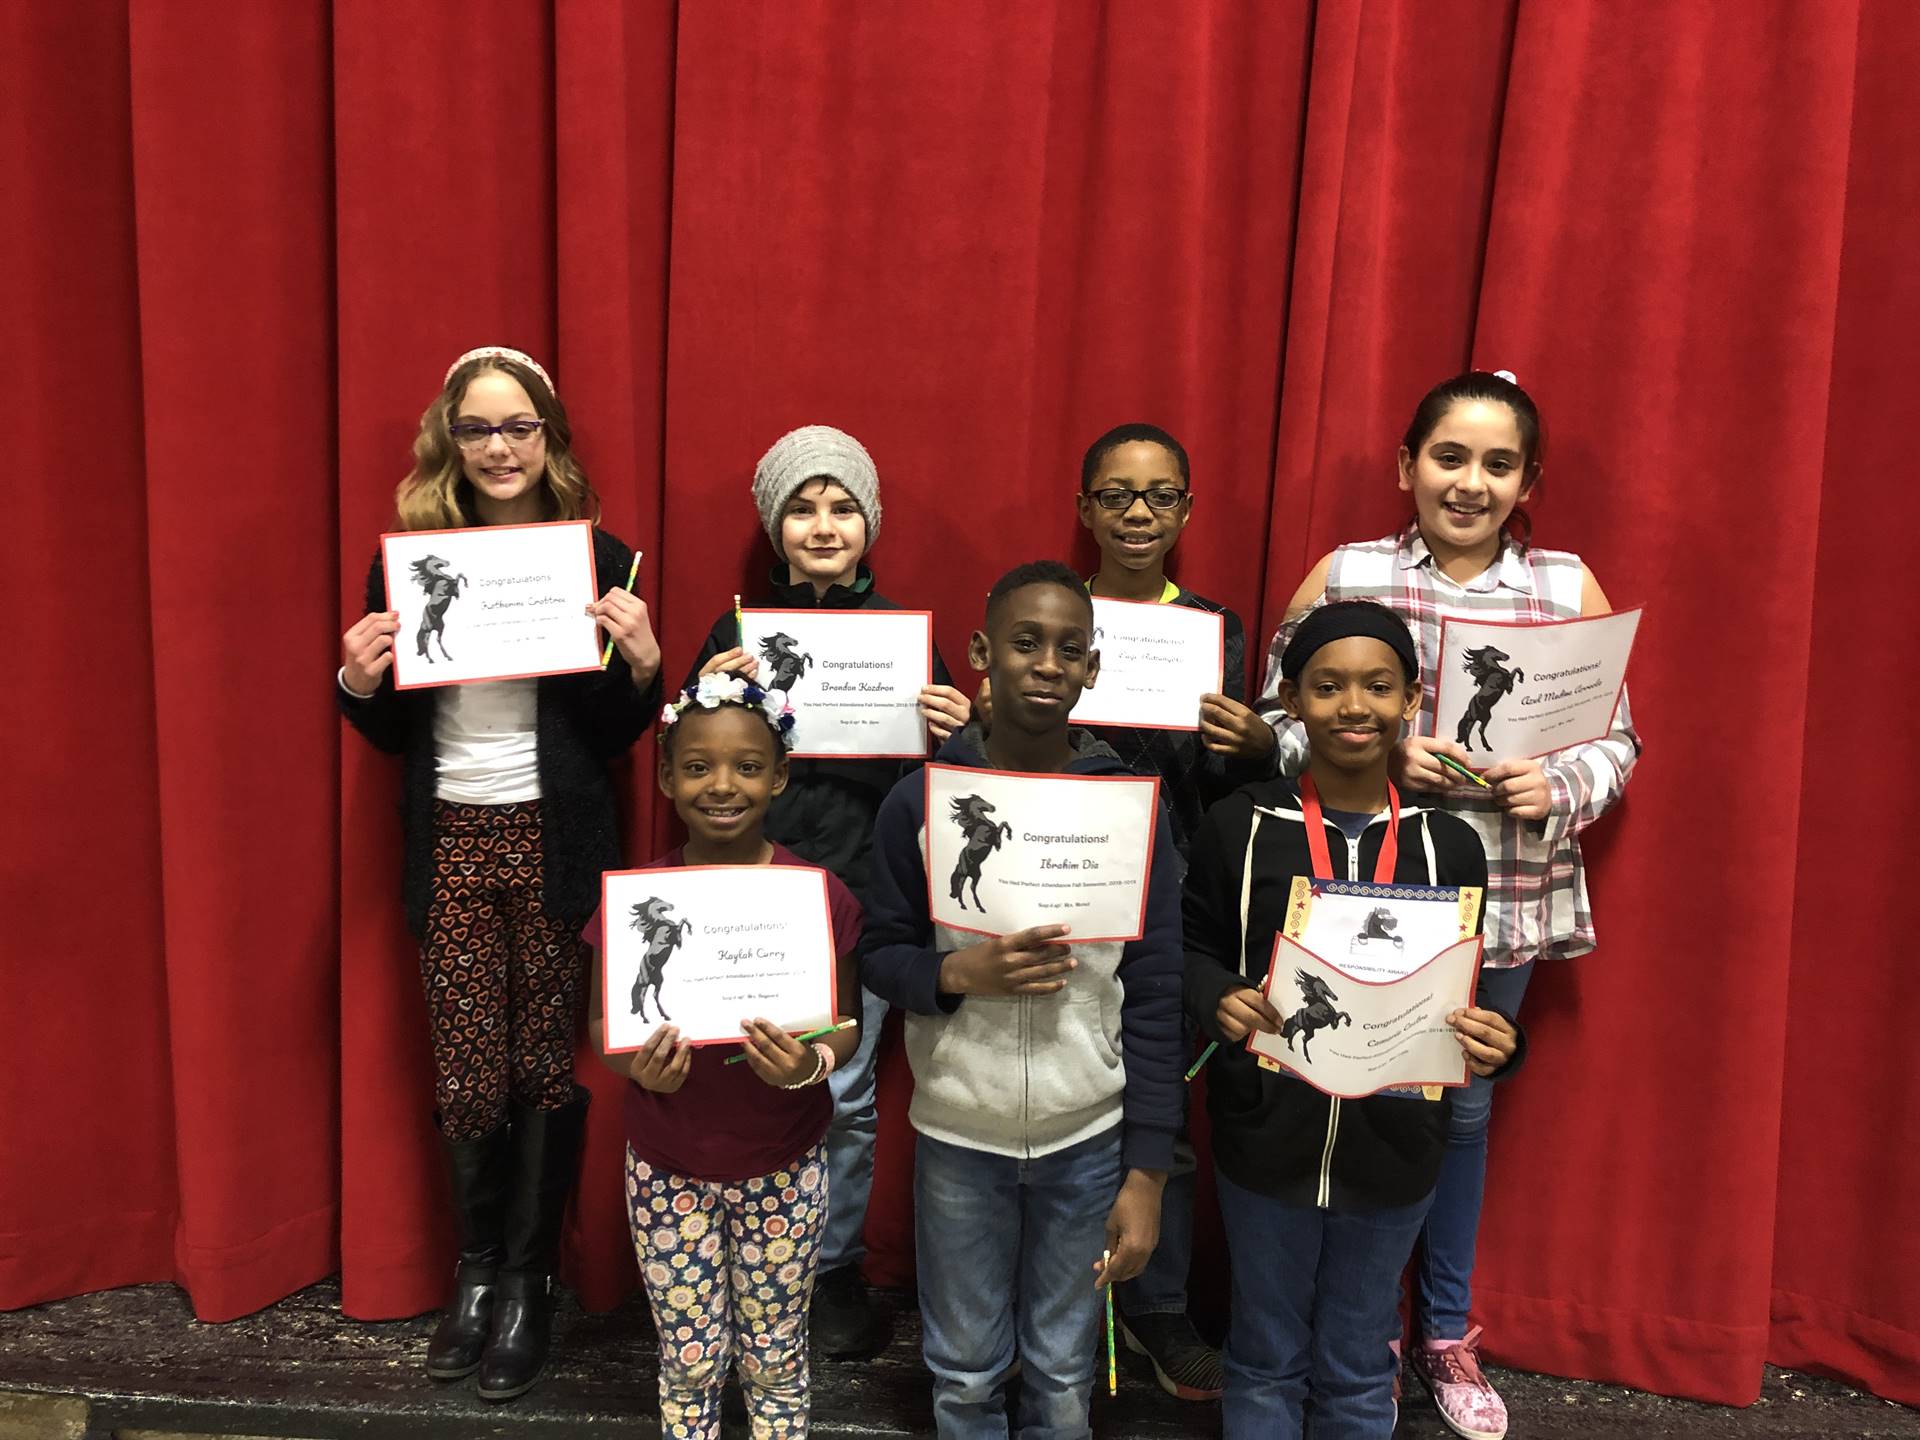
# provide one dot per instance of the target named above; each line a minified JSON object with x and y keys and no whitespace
{"x":1379,"y":931}
{"x":1006,"y":850}
{"x":1509,"y":689}
{"x":1351,"y":1037}
{"x":1156,"y":661}
{"x":707,"y":946}
{"x":853,"y":676}
{"x":491,"y":602}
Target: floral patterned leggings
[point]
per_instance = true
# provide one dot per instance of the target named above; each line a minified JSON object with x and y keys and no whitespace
{"x":729,"y":1269}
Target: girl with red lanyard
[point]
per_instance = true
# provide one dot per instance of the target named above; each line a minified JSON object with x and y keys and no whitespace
{"x":1470,"y":461}
{"x":1323,"y":1198}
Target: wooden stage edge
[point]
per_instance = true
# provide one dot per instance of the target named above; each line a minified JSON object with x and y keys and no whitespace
{"x":138,"y":1362}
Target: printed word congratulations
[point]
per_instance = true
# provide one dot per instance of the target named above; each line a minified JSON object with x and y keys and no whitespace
{"x":514,"y":580}
{"x":1397,"y":1020}
{"x":1028,"y":835}
{"x":856,"y":664}
{"x":746,"y":927}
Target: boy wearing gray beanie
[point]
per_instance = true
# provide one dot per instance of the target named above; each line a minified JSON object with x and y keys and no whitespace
{"x":817,"y":492}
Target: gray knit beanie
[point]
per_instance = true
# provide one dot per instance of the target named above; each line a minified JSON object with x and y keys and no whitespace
{"x":815,"y":452}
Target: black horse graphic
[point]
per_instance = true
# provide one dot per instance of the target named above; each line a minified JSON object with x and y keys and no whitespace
{"x":971,"y":813}
{"x":1488,"y":669}
{"x":431,"y":575}
{"x":1377,"y":929}
{"x":1317,"y":1014}
{"x":785,"y":663}
{"x":663,"y":937}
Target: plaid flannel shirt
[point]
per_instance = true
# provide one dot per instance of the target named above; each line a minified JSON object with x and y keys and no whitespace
{"x":1537,"y":901}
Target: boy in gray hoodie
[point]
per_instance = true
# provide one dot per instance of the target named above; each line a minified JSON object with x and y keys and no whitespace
{"x":1047,"y":1078}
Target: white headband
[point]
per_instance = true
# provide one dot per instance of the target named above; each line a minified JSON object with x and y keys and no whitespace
{"x":501,"y":352}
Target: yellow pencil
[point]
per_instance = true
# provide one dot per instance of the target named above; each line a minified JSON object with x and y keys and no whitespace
{"x":633,"y":570}
{"x":739,"y":624}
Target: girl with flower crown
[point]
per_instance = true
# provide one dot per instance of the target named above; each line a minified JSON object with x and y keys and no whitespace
{"x":726,"y":1170}
{"x":1470,"y":460}
{"x":509,"y":820}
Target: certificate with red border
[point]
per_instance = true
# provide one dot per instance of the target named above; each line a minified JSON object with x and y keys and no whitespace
{"x":491,"y":602}
{"x":1005,"y":850}
{"x":1520,"y":689}
{"x":1156,"y":661}
{"x":707,"y":946}
{"x":853,"y":677}
{"x":1352,"y":1038}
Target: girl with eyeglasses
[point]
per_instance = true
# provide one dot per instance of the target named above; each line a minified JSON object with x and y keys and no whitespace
{"x":509,"y":820}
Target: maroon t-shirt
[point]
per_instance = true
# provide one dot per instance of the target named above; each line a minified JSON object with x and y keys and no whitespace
{"x":726,"y":1123}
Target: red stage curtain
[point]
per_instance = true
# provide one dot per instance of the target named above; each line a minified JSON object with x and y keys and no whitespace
{"x":246,"y":243}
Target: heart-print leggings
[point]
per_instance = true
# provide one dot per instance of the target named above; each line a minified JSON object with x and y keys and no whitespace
{"x":502,"y":976}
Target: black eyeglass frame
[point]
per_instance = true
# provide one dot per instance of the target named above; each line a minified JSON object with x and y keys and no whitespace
{"x":1121,"y":507}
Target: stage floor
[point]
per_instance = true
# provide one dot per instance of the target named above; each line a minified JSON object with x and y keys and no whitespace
{"x":140,"y":1362}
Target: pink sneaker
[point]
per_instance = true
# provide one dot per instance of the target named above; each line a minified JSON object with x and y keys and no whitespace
{"x":1461,"y":1392}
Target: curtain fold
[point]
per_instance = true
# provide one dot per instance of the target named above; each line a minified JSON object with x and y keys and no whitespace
{"x":247,"y":244}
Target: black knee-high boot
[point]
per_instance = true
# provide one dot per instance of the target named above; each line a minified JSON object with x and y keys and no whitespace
{"x":480,"y":1170}
{"x":546,"y":1162}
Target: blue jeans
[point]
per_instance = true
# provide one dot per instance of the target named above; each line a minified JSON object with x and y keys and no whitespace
{"x":850,"y":1142}
{"x":1006,"y":1252}
{"x":1447,"y":1243}
{"x":1316,"y":1308}
{"x":1161,"y":1288}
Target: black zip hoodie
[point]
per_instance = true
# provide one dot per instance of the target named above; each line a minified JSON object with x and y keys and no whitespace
{"x":1273,"y":1133}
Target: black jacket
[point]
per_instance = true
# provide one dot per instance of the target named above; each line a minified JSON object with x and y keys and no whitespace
{"x":1272,"y":1132}
{"x":826,"y":813}
{"x":1192,"y":777}
{"x":584,"y":722}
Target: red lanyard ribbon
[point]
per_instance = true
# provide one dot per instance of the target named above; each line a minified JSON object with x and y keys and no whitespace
{"x":1316,"y":823}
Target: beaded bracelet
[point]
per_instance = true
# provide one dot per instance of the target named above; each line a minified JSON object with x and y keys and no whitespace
{"x":822,"y":1067}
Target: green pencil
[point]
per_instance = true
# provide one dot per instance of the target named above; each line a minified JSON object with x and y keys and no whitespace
{"x":1113,"y":1372}
{"x":803,"y":1039}
{"x":1456,"y":766}
{"x":1205,"y":1055}
{"x":633,"y":570}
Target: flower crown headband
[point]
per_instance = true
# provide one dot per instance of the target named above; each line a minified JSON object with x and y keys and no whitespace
{"x":726,"y":688}
{"x":501,"y":352}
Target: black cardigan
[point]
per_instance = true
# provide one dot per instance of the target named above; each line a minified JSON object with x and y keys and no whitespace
{"x":1273,"y":1133}
{"x":826,"y":813}
{"x":584,"y":722}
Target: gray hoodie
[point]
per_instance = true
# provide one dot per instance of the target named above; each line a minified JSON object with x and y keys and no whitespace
{"x":1028,"y":1075}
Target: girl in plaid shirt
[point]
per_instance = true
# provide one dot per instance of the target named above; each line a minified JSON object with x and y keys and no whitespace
{"x":1470,"y":458}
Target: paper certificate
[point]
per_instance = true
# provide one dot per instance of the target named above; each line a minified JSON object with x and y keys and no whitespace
{"x":1006,"y":850}
{"x":853,"y":676}
{"x":1379,"y":931}
{"x":1156,"y":661}
{"x":1351,"y":1037}
{"x":491,"y":602}
{"x":1514,"y":689}
{"x":707,"y":946}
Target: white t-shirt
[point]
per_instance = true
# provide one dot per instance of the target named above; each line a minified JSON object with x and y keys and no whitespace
{"x":484,"y":743}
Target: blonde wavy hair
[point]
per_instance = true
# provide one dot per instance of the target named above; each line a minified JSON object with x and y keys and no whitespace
{"x":436,"y":495}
